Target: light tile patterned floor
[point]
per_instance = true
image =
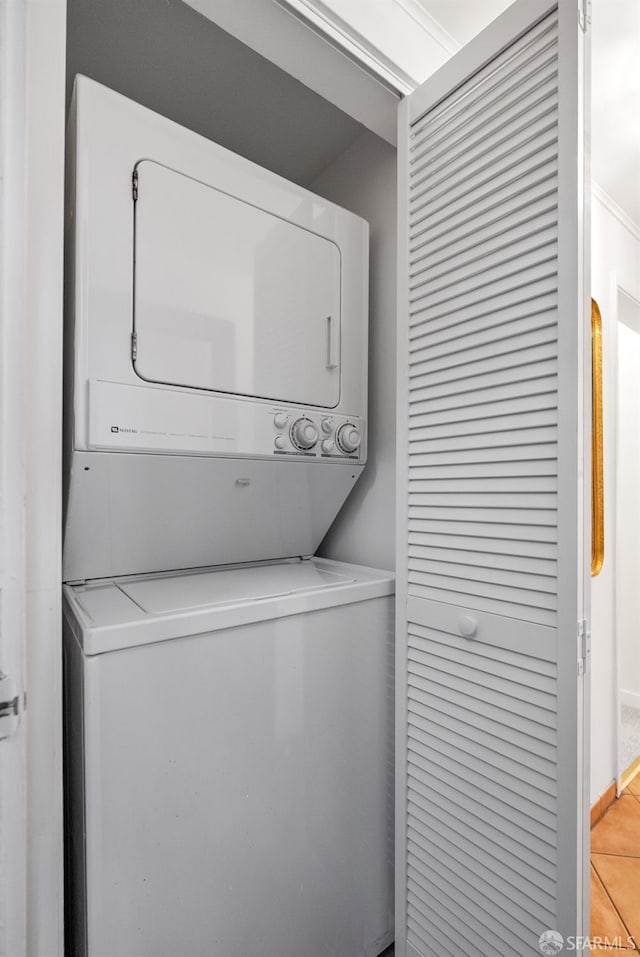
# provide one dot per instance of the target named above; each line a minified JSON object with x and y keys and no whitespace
{"x":615,"y":873}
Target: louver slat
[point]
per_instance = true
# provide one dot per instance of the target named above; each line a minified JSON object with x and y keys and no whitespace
{"x":483,"y":188}
{"x":510,"y":244}
{"x":485,"y":238}
{"x":457,"y":113}
{"x":481,"y":430}
{"x":515,"y":391}
{"x":499,"y":118}
{"x":488,"y":215}
{"x":511,"y":143}
{"x":513,"y":857}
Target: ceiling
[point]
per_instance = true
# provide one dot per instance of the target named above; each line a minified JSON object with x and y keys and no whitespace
{"x":463,"y":19}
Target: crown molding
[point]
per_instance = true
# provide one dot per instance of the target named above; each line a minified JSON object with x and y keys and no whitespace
{"x":609,"y":203}
{"x":429,"y":25}
{"x":310,"y":57}
{"x":320,"y":18}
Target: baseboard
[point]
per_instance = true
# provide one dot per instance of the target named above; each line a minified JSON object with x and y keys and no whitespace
{"x":631,"y":772}
{"x":603,"y":803}
{"x":630,"y":698}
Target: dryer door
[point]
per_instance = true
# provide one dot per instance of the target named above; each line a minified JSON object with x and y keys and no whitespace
{"x":231,"y":298}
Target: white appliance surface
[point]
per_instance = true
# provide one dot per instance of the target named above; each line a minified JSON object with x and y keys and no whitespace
{"x":234,"y":785}
{"x":205,"y":290}
{"x":217,"y":329}
{"x":247,"y":304}
{"x":117,"y":613}
{"x":226,"y":586}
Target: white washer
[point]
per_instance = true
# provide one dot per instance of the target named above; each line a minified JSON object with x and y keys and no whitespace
{"x":229,"y":762}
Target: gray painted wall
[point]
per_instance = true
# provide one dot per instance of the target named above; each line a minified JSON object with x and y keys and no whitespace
{"x":363,"y":180}
{"x":165,"y":55}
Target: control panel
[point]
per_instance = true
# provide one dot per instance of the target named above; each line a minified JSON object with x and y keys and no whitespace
{"x":178,"y":422}
{"x":310,"y":433}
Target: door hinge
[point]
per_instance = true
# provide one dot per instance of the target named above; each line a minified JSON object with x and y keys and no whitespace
{"x":134,"y":185}
{"x":584,"y":646}
{"x":12,"y":706}
{"x":134,"y":346}
{"x":584,"y":14}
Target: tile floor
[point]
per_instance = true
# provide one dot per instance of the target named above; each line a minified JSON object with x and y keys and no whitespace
{"x":615,"y":873}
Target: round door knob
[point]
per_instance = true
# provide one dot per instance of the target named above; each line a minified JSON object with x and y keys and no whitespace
{"x":348,"y":438}
{"x":327,"y":445}
{"x":280,"y":442}
{"x":467,"y":626}
{"x":327,"y":426}
{"x":304,"y":434}
{"x":280,"y":419}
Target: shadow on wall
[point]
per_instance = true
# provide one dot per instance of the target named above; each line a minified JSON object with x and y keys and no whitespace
{"x":166,"y":56}
{"x":364,"y":181}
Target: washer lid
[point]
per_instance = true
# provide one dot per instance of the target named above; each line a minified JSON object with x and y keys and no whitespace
{"x":158,"y":596}
{"x":114,"y":614}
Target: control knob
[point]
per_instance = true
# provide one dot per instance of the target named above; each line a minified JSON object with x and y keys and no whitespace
{"x":327,"y":426}
{"x":304,"y":434}
{"x":280,"y":419}
{"x":348,"y":438}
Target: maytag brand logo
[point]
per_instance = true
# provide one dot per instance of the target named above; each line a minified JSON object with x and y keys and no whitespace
{"x":118,"y":428}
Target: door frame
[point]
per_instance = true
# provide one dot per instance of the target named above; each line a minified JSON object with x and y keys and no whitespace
{"x":617,"y":288}
{"x":32,"y":89}
{"x":13,"y":750}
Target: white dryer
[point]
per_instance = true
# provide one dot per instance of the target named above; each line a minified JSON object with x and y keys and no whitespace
{"x":216,"y":362}
{"x":229,"y":759}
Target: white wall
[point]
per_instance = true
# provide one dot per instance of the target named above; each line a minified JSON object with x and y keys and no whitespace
{"x":628,"y":504}
{"x":615,"y":262}
{"x":363,"y":180}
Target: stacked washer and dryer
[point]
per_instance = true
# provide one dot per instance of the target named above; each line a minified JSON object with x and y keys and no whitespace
{"x":228,"y":698}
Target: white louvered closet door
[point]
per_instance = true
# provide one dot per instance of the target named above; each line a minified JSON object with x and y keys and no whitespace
{"x":492,"y":829}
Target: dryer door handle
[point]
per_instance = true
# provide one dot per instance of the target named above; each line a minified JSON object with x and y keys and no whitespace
{"x":331,"y":362}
